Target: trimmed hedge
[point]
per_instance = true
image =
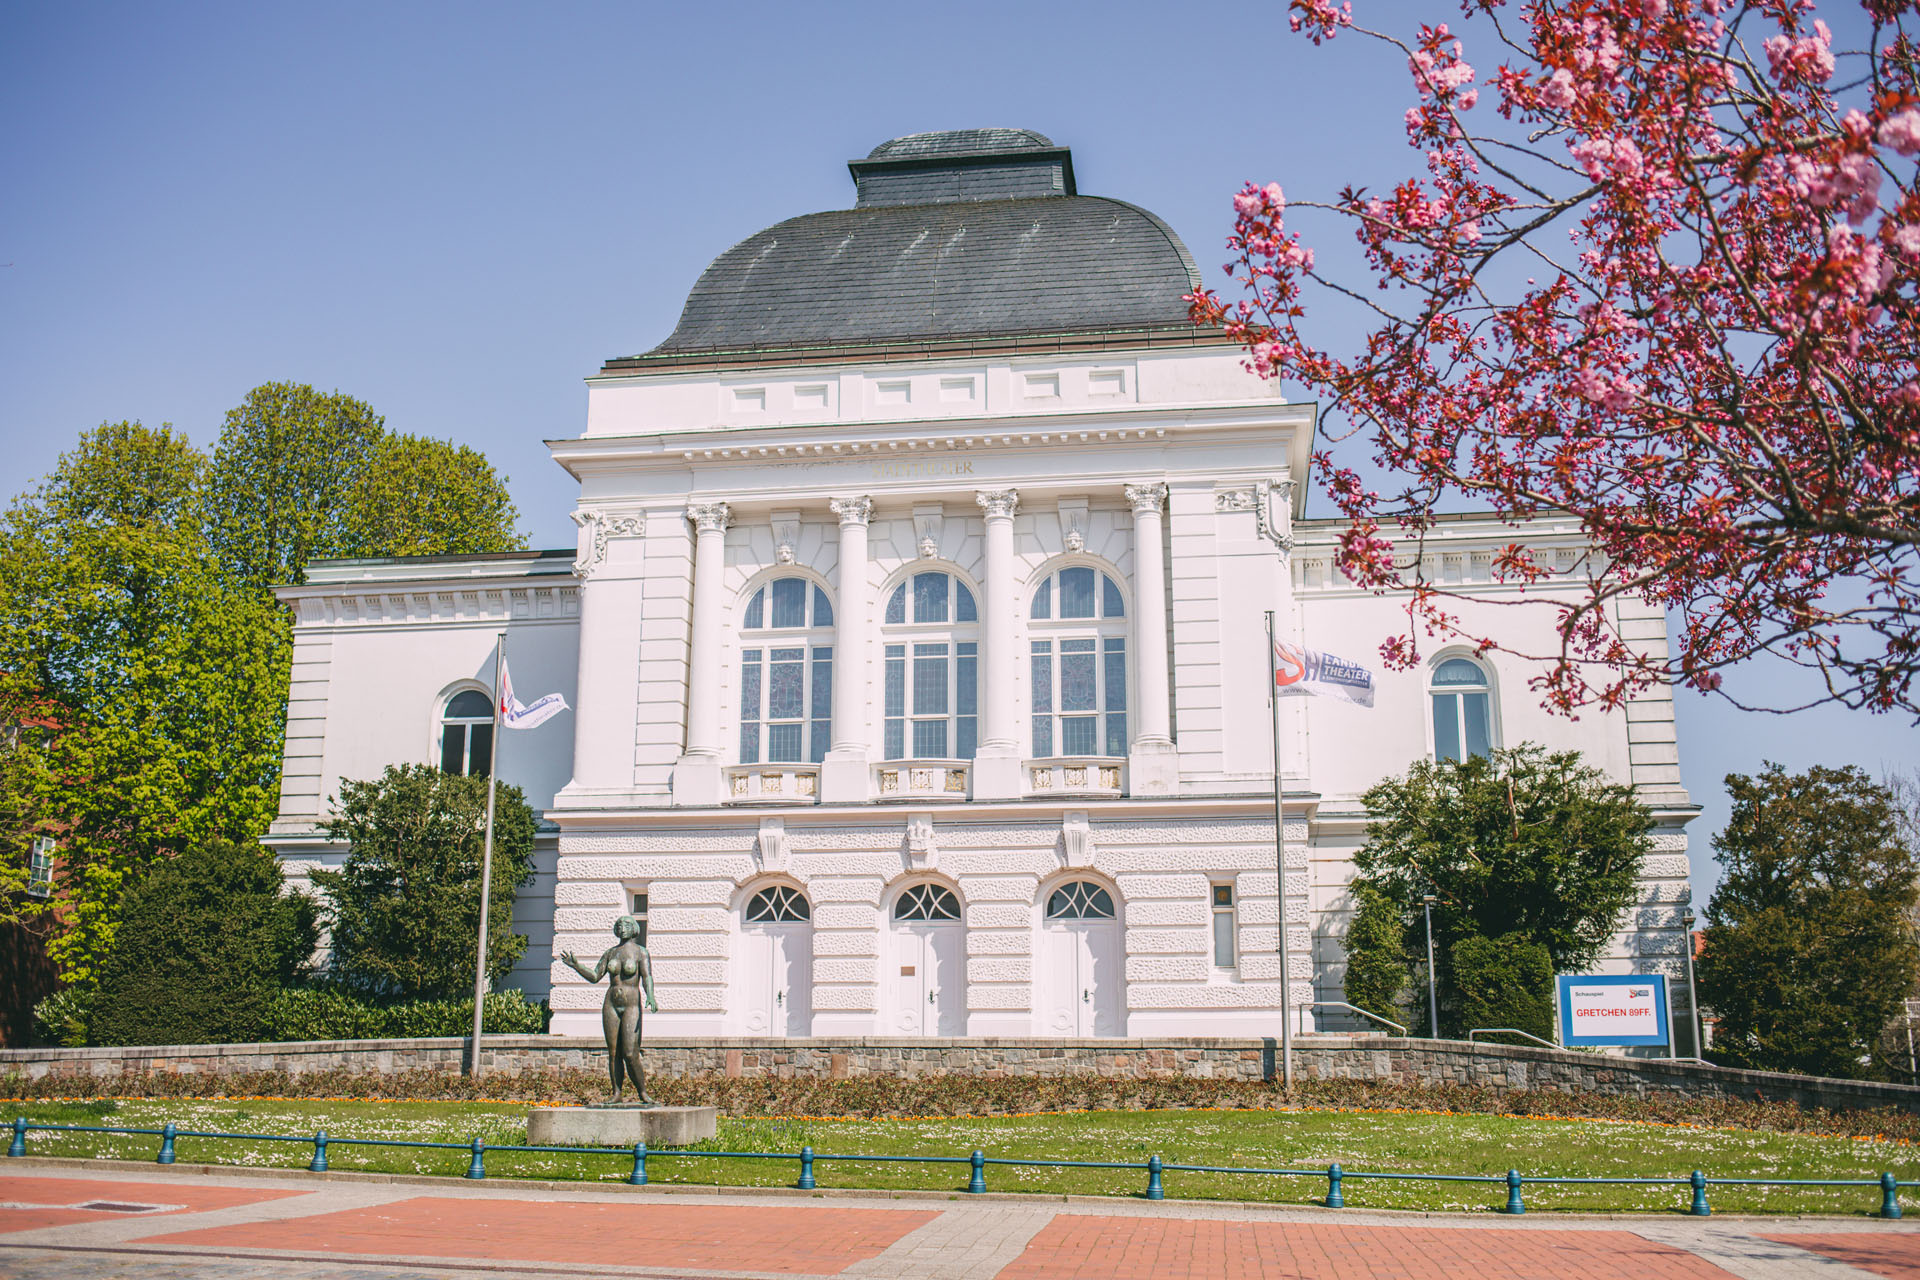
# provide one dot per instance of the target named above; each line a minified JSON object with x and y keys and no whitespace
{"x":327,"y":1013}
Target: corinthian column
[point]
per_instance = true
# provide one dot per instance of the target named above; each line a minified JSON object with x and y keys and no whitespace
{"x":843,"y":775}
{"x":696,"y":778}
{"x":996,"y":774}
{"x":1153,"y":767}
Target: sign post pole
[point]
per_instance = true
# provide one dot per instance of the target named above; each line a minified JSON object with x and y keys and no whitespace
{"x":1280,"y":869}
{"x":486,"y":855}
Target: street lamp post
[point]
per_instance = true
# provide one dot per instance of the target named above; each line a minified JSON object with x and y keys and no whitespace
{"x":1693,"y":995}
{"x":1433,"y":991}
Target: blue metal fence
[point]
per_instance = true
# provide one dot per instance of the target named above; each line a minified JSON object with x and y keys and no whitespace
{"x":977,"y":1162}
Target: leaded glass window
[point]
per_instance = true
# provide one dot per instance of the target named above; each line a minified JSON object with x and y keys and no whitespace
{"x":927,"y":902}
{"x":786,"y":681}
{"x":1462,"y":710}
{"x":1080,"y":900}
{"x":1077,"y":674}
{"x":778,"y":904}
{"x":930,"y":670}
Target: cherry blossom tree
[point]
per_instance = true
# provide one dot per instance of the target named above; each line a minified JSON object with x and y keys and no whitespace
{"x":1661,"y":279}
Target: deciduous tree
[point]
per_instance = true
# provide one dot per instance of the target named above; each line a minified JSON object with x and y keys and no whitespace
{"x":421,"y":497}
{"x":1810,"y":941}
{"x":1665,"y":283}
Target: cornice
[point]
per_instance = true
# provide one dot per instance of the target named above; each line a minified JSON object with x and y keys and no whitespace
{"x":460,"y":601}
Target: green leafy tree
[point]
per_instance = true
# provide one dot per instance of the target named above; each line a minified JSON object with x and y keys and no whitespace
{"x":421,"y":497}
{"x":287,"y":460}
{"x":1810,"y":943}
{"x":1523,"y":846}
{"x":404,"y":910}
{"x":157,"y":682}
{"x":205,"y":944}
{"x":1504,"y":982}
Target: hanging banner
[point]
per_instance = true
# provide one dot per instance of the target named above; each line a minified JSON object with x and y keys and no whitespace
{"x":1308,"y":673}
{"x":1617,"y":1009}
{"x":515,"y":715}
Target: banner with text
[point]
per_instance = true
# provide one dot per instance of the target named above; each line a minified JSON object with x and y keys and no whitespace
{"x":1616,"y":1009}
{"x":1308,"y":673}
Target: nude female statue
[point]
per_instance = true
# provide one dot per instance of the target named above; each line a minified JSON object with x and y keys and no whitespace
{"x":627,"y":964}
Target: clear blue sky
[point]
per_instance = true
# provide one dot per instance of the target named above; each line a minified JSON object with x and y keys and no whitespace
{"x":455,"y":212}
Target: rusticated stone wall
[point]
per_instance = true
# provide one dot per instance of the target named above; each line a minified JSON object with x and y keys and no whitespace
{"x":1403,"y":1061}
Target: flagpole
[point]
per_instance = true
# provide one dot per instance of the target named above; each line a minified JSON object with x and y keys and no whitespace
{"x":486,"y":854}
{"x":1280,"y":870}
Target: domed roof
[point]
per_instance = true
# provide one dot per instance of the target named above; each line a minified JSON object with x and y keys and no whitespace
{"x":964,"y":235}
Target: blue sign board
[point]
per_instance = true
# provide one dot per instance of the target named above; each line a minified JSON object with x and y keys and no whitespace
{"x":1614,"y":1009}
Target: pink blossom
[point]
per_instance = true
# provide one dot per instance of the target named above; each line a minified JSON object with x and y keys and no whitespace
{"x":1906,"y":240}
{"x":1809,"y":58}
{"x":1902,"y":132}
{"x":1653,"y":10}
{"x":1557,"y":92}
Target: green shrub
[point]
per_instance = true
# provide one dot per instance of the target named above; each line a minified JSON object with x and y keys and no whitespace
{"x":1504,"y":982}
{"x":1377,"y":972}
{"x":204,"y":945}
{"x":62,"y":1017}
{"x":328,"y":1013}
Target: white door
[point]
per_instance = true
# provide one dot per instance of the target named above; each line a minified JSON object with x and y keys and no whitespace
{"x":926,"y":978}
{"x":1082,"y":987}
{"x":775,"y":968}
{"x":776,"y":984}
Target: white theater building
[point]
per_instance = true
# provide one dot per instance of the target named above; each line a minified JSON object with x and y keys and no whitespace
{"x":916,"y":648}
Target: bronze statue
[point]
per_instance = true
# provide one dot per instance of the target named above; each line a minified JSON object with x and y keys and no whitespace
{"x":627,"y":964}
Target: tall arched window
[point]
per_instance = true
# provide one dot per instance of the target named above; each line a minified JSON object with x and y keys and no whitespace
{"x":931,"y":696}
{"x":466,"y":733}
{"x":1078,"y":628}
{"x":1462,"y":710}
{"x":786,"y":673}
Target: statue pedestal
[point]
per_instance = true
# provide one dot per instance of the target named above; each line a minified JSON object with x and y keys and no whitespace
{"x":620,"y":1126}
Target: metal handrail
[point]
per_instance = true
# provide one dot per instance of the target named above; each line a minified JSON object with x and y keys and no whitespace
{"x":1514,"y":1182}
{"x":1354,"y":1008}
{"x":1509,"y":1031}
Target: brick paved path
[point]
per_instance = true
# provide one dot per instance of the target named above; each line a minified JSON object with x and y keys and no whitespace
{"x":140,"y":1223}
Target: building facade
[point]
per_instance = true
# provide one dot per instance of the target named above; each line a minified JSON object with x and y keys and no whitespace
{"x":915,"y":637}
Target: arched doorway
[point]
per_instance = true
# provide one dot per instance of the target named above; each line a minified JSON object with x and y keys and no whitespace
{"x":774,"y":972}
{"x":1082,"y":981}
{"x":926,"y":974}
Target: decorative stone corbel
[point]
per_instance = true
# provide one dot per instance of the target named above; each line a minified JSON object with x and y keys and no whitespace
{"x":1073,"y":524}
{"x":602,"y":527}
{"x":770,"y":849}
{"x":1275,"y":522}
{"x":786,"y":535}
{"x":927,"y":518}
{"x":1076,"y":839}
{"x":921,"y":853}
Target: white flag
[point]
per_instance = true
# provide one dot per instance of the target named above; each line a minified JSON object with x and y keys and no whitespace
{"x":1307,"y":673}
{"x":513,"y":715}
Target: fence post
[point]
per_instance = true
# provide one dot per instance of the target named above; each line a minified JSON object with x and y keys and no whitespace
{"x":638,"y":1178}
{"x":166,"y":1145}
{"x":806,"y":1168}
{"x":319,"y":1164}
{"x":18,"y":1147}
{"x":977,"y":1184}
{"x":478,"y":1169}
{"x":1154,"y":1190}
{"x":1514,"y":1203}
{"x":1334,"y":1199}
{"x":1889,"y":1196}
{"x":1698,"y":1181}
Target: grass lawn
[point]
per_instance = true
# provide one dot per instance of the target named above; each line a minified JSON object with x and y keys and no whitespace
{"x":1360,"y":1141}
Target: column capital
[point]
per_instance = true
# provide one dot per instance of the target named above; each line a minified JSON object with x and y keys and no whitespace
{"x":708,"y":517}
{"x":999,"y":504}
{"x":1146,"y":497}
{"x":852,"y":510}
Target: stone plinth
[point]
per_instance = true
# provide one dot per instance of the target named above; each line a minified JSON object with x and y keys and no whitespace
{"x":620,"y":1126}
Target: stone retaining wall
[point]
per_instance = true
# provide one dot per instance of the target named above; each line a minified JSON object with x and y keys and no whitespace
{"x":1379,"y":1058}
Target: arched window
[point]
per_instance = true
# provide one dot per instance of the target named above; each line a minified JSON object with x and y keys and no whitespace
{"x":1078,"y":629}
{"x":778,"y":904}
{"x":1462,"y":710}
{"x":786,"y":673}
{"x":932,"y":656}
{"x":927,"y":902}
{"x":466,"y":733}
{"x":1080,"y":900}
